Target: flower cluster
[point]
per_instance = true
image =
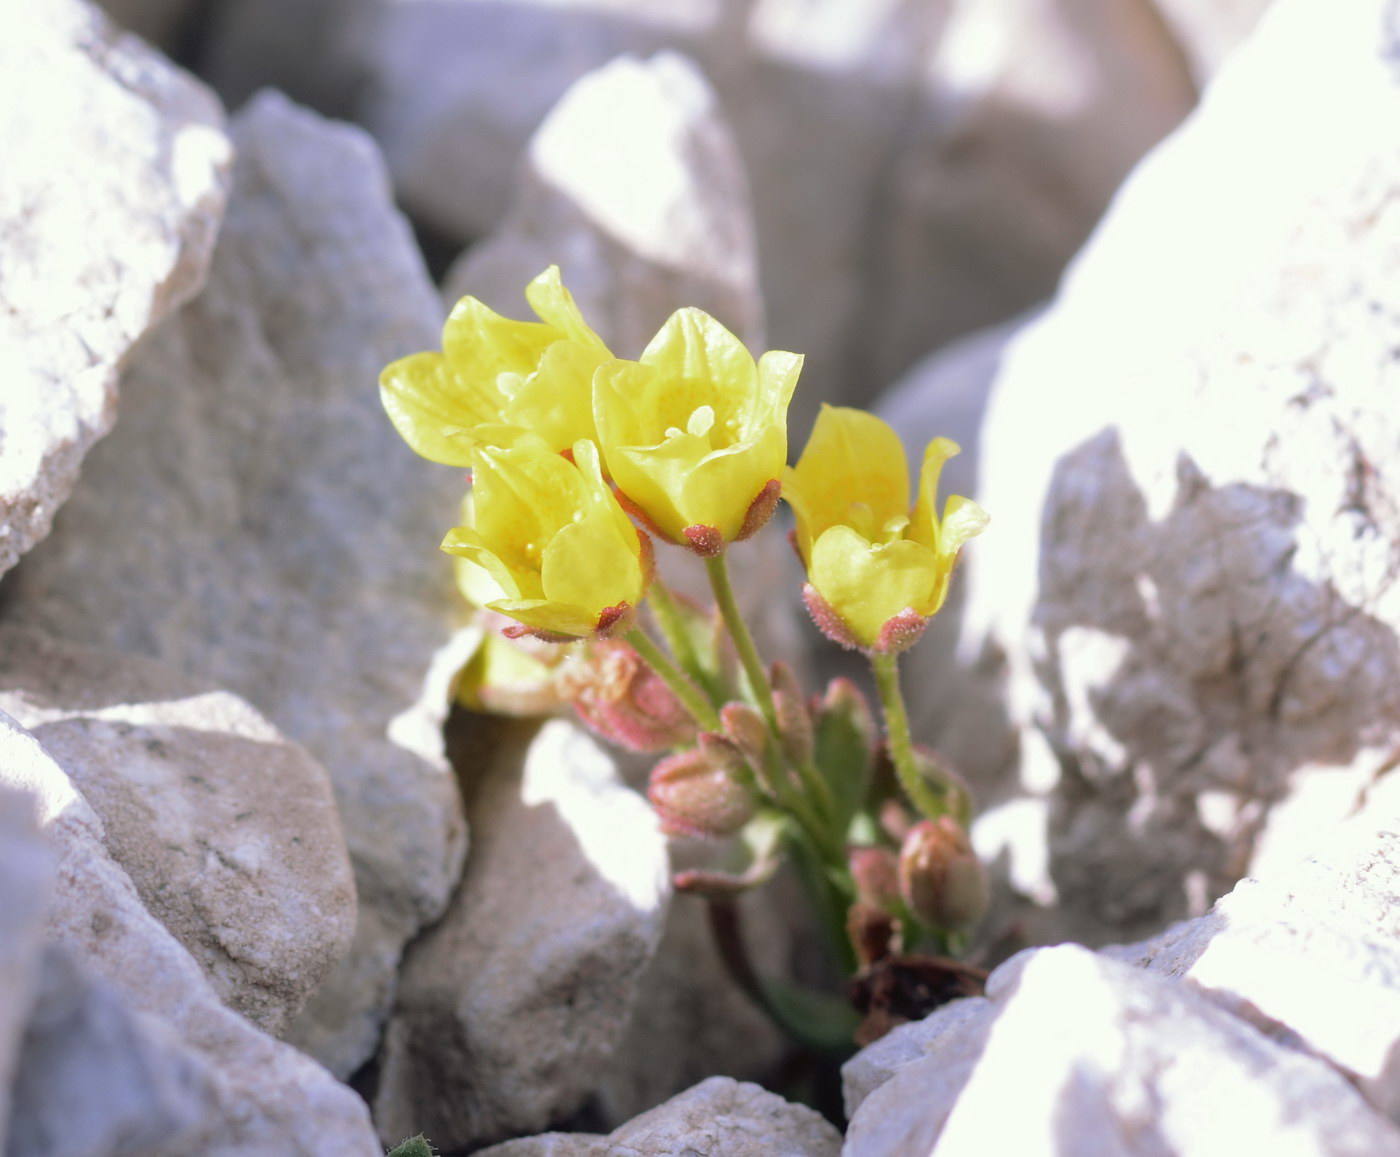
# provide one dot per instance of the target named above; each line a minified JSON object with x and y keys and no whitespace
{"x":579,"y":459}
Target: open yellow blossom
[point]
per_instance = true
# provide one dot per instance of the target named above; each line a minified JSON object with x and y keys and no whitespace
{"x":876,"y":572}
{"x":695,"y":434}
{"x":496,"y":378}
{"x":553,"y":538}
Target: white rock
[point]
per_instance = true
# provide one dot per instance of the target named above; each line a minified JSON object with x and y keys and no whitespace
{"x":1209,"y":30}
{"x":917,"y":170}
{"x":719,"y":1117}
{"x":25,"y":872}
{"x":1199,"y":434}
{"x":228,"y":830}
{"x":510,"y":1004}
{"x":634,"y":187}
{"x":269,"y":1099}
{"x":110,"y":195}
{"x":1309,"y":954}
{"x":1098,"y":1057}
{"x":257,"y":522}
{"x":98,"y":1079}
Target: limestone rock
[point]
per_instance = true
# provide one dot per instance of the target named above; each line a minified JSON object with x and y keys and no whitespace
{"x":229,"y":832}
{"x":1200,"y":434}
{"x":510,"y":1004}
{"x":25,"y":871}
{"x":98,"y":1079}
{"x":1309,"y":953}
{"x":917,"y":170}
{"x":1209,"y":30}
{"x":268,"y":1098}
{"x":110,"y":196}
{"x":1106,"y":1059}
{"x":719,"y":1117}
{"x":257,"y":522}
{"x":634,"y":187}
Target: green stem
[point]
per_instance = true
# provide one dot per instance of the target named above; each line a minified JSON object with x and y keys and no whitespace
{"x":906,"y":766}
{"x":669,"y":619}
{"x":743,"y":641}
{"x":676,"y":679}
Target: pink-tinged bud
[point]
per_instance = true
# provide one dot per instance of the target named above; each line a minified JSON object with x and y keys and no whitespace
{"x":695,"y":797}
{"x":760,"y":510}
{"x":795,"y":731}
{"x":622,"y":699}
{"x":744,"y":727}
{"x":843,"y":700}
{"x":829,"y":623}
{"x":940,"y":877}
{"x":876,"y":875}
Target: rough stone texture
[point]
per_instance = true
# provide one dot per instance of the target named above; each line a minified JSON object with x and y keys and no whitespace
{"x":918,"y":169}
{"x":634,"y":187}
{"x":510,"y":1004}
{"x":1201,"y":435}
{"x":98,"y":1079}
{"x":269,"y":1099}
{"x":1106,"y":1059}
{"x":229,"y":832}
{"x":1310,"y":953}
{"x":256,"y":521}
{"x":25,"y":871}
{"x":691,"y":1020}
{"x":110,"y":195}
{"x":719,"y":1117}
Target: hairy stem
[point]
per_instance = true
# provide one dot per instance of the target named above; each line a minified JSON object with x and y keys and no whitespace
{"x":676,"y":679}
{"x":901,"y":742}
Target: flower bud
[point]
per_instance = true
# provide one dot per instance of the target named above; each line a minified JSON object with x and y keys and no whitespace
{"x":940,"y":876}
{"x":621,"y":698}
{"x":744,"y":727}
{"x":876,"y":875}
{"x":697,"y":792}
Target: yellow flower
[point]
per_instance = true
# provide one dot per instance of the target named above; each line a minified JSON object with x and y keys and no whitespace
{"x":549,"y":532}
{"x":876,"y":572}
{"x":497,"y":378}
{"x":695,"y":434}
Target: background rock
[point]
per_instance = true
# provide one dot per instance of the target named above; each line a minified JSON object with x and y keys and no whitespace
{"x":25,"y":873}
{"x":111,"y":193}
{"x":510,"y":1005}
{"x":1190,"y":571}
{"x":98,"y":1079}
{"x":717,"y":1117}
{"x":268,"y":1098}
{"x":228,"y":831}
{"x":918,"y":169}
{"x":1105,"y":1059}
{"x":257,"y":522}
{"x":634,"y":187}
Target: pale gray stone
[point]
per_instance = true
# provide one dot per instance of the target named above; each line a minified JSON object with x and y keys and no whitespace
{"x":1188,"y":462}
{"x":509,"y":1006}
{"x":268,"y":1098}
{"x":1310,"y":952}
{"x":1210,"y":30}
{"x":110,"y":196}
{"x":26,"y":869}
{"x":98,"y":1079}
{"x":228,"y":830}
{"x":1099,"y":1057}
{"x":257,"y":522}
{"x":719,"y":1117}
{"x":634,"y":187}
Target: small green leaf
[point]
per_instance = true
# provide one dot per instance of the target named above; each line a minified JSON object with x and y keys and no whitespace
{"x":845,"y":750}
{"x":815,"y":1019}
{"x":414,"y":1147}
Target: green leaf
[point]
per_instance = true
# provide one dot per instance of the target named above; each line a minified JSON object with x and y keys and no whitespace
{"x":815,"y":1019}
{"x":845,"y":753}
{"x":414,"y":1147}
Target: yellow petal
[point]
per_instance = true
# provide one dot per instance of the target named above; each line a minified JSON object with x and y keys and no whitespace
{"x":469,"y":545}
{"x":480,"y":344}
{"x":924,"y":522}
{"x":868,"y":584}
{"x":545,"y":615}
{"x":587,"y":565}
{"x":432,"y":411}
{"x":722,"y":485}
{"x":554,"y":305}
{"x":851,"y":472}
{"x":697,"y":362}
{"x":556,"y":401}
